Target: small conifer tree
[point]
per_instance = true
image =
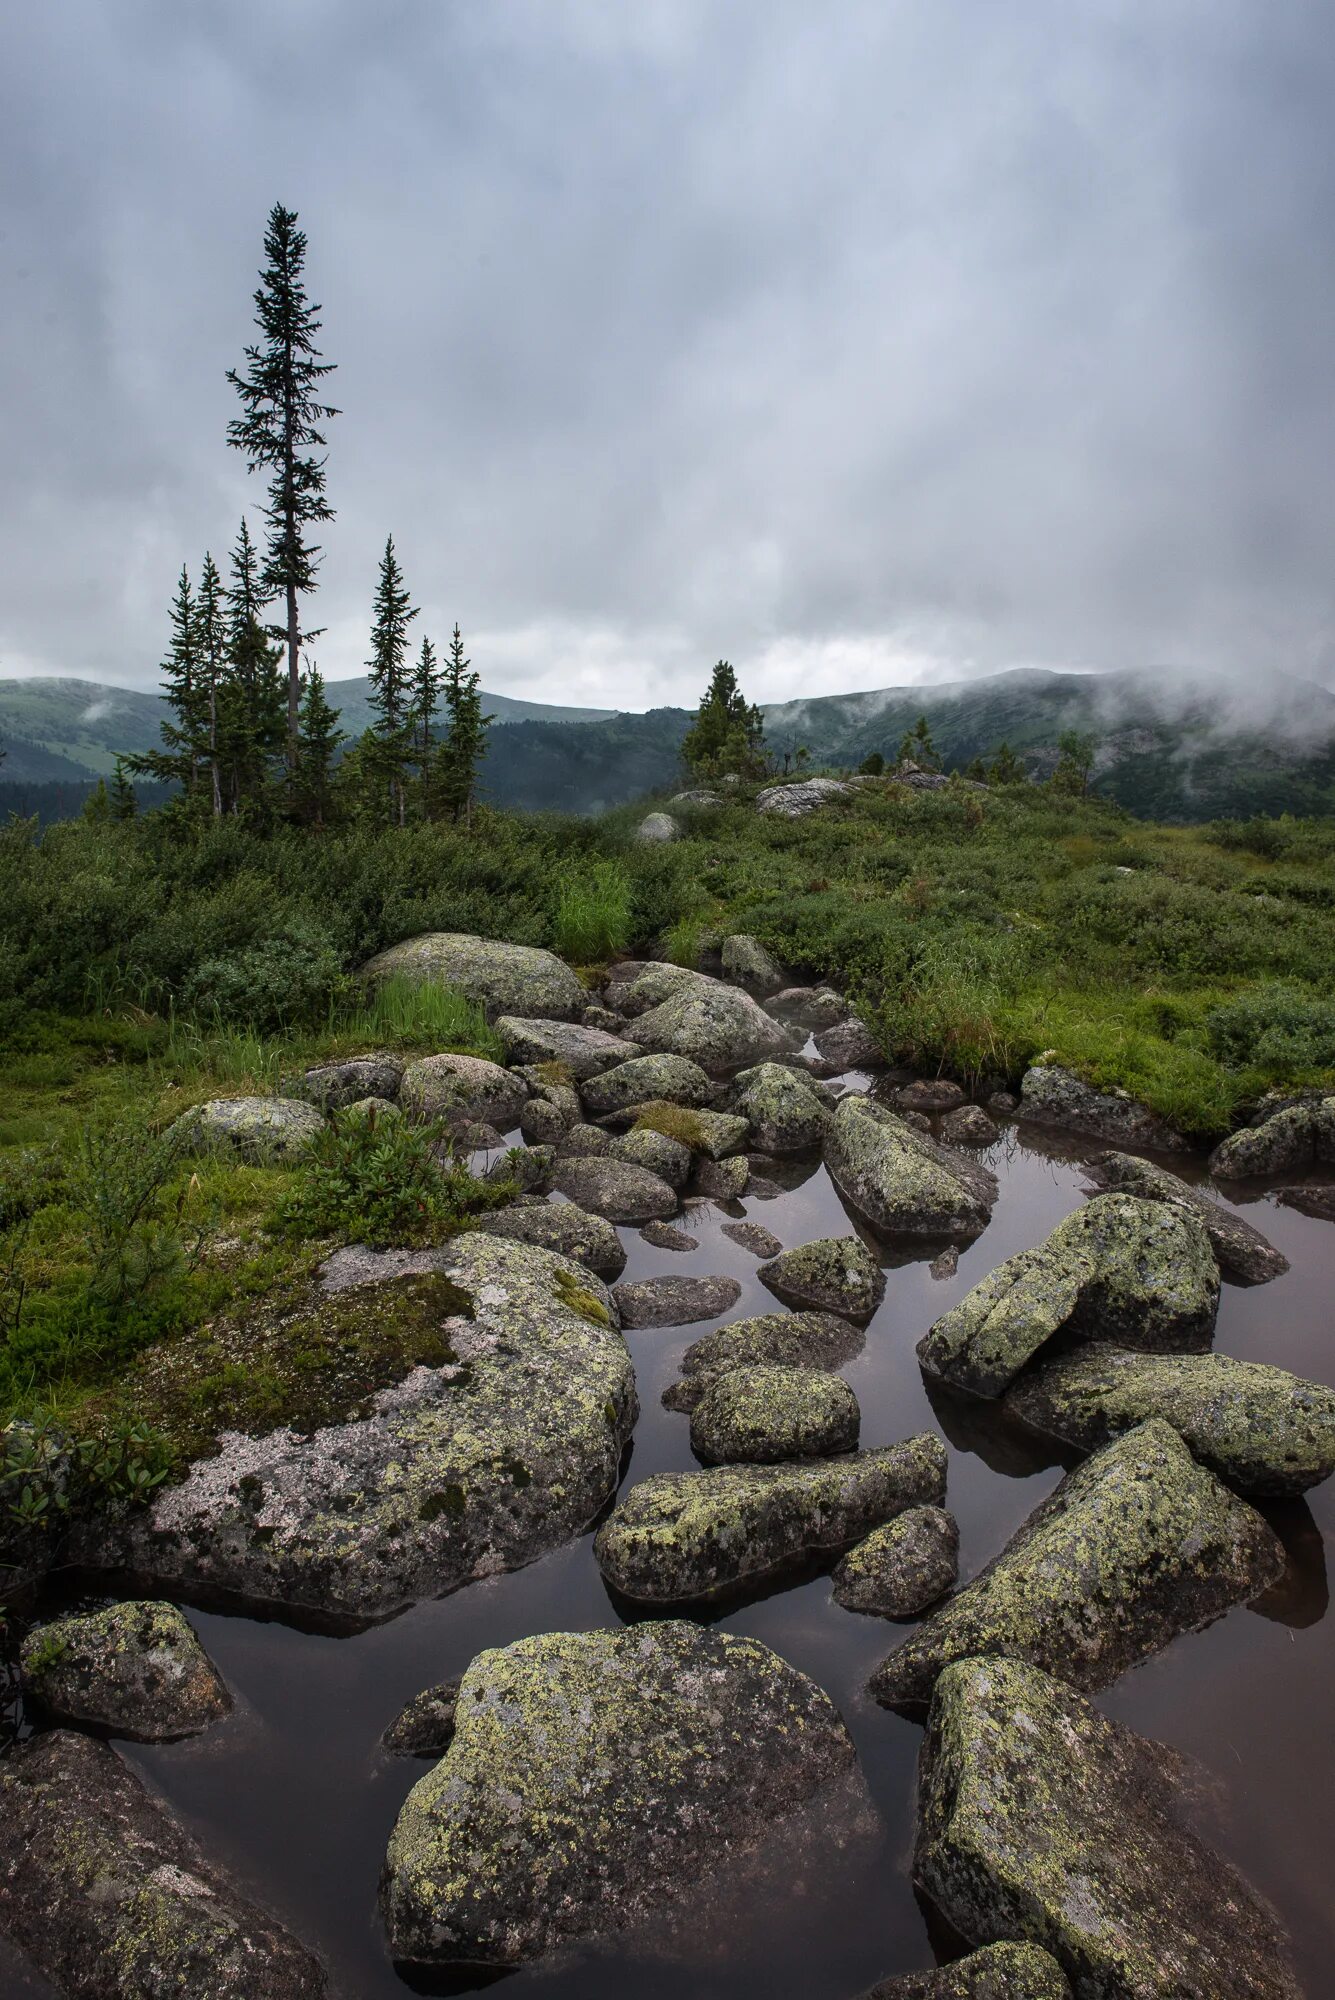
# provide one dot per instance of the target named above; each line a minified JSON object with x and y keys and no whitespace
{"x":313,"y":784}
{"x":728,"y":734}
{"x":184,"y":736}
{"x":454,"y":767}
{"x":1005,"y":768}
{"x":124,"y":804}
{"x":391,"y":693}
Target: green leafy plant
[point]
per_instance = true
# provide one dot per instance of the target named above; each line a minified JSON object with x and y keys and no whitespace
{"x":381,"y":1182}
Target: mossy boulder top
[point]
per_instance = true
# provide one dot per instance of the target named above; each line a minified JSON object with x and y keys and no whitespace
{"x":259,"y":1130}
{"x":1050,"y":1095}
{"x":761,"y":1416}
{"x":835,"y":1274}
{"x":107,"y":1894}
{"x":583,"y":1051}
{"x":1239,"y":1249}
{"x":135,"y":1668}
{"x":900,"y":1179}
{"x":715,"y":1025}
{"x":1290,"y":1140}
{"x":1135,"y":1546}
{"x":598,"y":1779}
{"x":901,"y":1568}
{"x":1263,"y":1430}
{"x":997,"y":1972}
{"x":655,"y":1151}
{"x":506,"y":1449}
{"x":1141,"y":1273}
{"x":1038,"y":1818}
{"x":455,"y":1088}
{"x":645,"y":1080}
{"x":814,"y":1340}
{"x":500,"y":978}
{"x":747,"y":963}
{"x":784,"y":1113}
{"x":687,"y":1537}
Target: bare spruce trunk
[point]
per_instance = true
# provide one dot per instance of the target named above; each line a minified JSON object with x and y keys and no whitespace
{"x":293,"y":678}
{"x":213,"y":752}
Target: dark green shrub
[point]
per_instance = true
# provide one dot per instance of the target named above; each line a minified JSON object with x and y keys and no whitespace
{"x":382,"y":1181}
{"x":291,"y":977}
{"x":1274,"y":1028}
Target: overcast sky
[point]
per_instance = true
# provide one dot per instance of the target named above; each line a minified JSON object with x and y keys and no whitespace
{"x":858,"y":342}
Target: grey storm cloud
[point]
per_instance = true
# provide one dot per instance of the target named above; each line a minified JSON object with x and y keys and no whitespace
{"x":859,"y":343}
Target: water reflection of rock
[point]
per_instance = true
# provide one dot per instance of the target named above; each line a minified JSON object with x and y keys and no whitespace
{"x":1302,"y":1595}
{"x":984,"y":1429}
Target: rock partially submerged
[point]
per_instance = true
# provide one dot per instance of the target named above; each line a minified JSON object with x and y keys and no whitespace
{"x":582,"y":1051}
{"x":901,"y":1568}
{"x":969,"y":1126}
{"x":1038,"y":1818}
{"x":656,"y":1151}
{"x":644,"y":1080}
{"x":134,"y":1668}
{"x":479,"y":1465}
{"x":901,"y":1180}
{"x":108,"y":1896}
{"x":563,"y":1227}
{"x":262,"y":1131}
{"x":1052,"y":1096}
{"x":781,"y":1109}
{"x":1239,"y":1249}
{"x":748,"y":964}
{"x":1263,"y":1430}
{"x":666,"y":1236}
{"x":615,"y":1189}
{"x":499,"y":977}
{"x":1290,"y":1140}
{"x":1136,"y":1546}
{"x":687,"y":1537}
{"x":762,"y":1416}
{"x":809,"y":1006}
{"x":1138,"y":1272}
{"x":752,"y":1236}
{"x":456,"y":1088}
{"x":815,"y":1340}
{"x":674,"y":1301}
{"x":849,"y":1044}
{"x":599,"y":1778}
{"x":425,"y":1726}
{"x":998,"y":1972}
{"x":835,"y":1274}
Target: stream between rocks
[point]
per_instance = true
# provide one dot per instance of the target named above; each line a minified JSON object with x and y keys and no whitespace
{"x":294,"y":1796}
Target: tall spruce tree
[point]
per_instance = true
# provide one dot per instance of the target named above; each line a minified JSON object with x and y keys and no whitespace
{"x":454,"y":766}
{"x":728,"y":734}
{"x":391,"y":693}
{"x":424,"y":691}
{"x":281,"y":432}
{"x":183,"y":738}
{"x":313,"y":786}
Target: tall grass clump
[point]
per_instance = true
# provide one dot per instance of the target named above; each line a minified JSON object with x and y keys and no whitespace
{"x":593,"y":913}
{"x":403,"y":1012}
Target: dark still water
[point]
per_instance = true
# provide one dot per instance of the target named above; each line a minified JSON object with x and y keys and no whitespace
{"x":293,"y":1794}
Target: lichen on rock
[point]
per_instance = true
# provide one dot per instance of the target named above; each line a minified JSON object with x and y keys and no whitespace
{"x":814,"y":1340}
{"x":900,"y":1179}
{"x":136,"y":1669}
{"x":835,"y":1274}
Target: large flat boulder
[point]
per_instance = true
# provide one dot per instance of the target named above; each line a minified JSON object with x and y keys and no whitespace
{"x":1040,"y":1819}
{"x":762,"y":1416}
{"x":1050,"y":1095}
{"x":616,"y":1189}
{"x":582,"y":1051}
{"x":1239,"y":1250}
{"x":1139,"y":1272}
{"x":815,"y":1340}
{"x":261,"y":1131}
{"x":1136,"y":1546}
{"x":687,"y":1537}
{"x":563,"y":1227}
{"x":599,"y":1779}
{"x":675,"y":1301}
{"x":460,"y":1089}
{"x":807,"y":795}
{"x":647,"y":1080}
{"x":108,"y":1896}
{"x":136,"y":1669}
{"x":1263,"y":1430}
{"x":501,"y":978}
{"x":713,"y":1024}
{"x":481,"y":1464}
{"x":900,"y":1179}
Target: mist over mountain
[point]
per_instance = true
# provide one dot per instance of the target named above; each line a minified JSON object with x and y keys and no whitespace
{"x":1173,"y":746}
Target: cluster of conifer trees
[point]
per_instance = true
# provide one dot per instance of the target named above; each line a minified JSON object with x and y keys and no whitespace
{"x":250,"y":730}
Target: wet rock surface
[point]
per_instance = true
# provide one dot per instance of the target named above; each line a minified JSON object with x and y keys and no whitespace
{"x":1038,"y":1818}
{"x":261,"y":1131}
{"x":1136,"y":1546}
{"x":781,"y":1339}
{"x":835,"y":1274}
{"x":901,"y":1568}
{"x":969,"y":1126}
{"x":614,"y":1188}
{"x":809,"y":1007}
{"x":1240,"y":1250}
{"x":997,"y":1972}
{"x":762,"y":1416}
{"x":136,"y":1669}
{"x":666,"y":1236}
{"x":680,"y":1538}
{"x":478,"y":1465}
{"x":110,"y":1897}
{"x":1263,"y":1430}
{"x":1289,"y":1141}
{"x":1052,"y":1096}
{"x":563,"y":1227}
{"x":596,"y":1778}
{"x":582,"y":1051}
{"x":424,"y":1727}
{"x":501,"y":978}
{"x":902,"y":1180}
{"x":1138,"y":1272}
{"x":674,"y":1301}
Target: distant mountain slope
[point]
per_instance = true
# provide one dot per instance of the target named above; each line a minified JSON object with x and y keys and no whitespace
{"x":1169,"y":746}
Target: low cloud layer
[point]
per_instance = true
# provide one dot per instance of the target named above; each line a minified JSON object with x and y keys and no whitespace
{"x":860,"y":344}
